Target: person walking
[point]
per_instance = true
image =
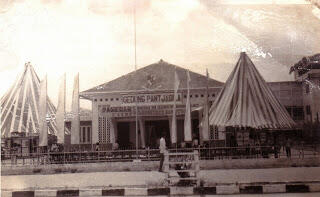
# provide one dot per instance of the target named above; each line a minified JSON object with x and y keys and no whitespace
{"x":288,"y":148}
{"x":162,"y":148}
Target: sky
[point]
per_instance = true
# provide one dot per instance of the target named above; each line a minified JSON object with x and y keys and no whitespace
{"x":96,"y":37}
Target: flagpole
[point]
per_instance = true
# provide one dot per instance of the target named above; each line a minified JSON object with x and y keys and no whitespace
{"x":207,"y":103}
{"x":64,"y":111}
{"x":135,"y":68}
{"x":46,"y":116}
{"x":78,"y":117}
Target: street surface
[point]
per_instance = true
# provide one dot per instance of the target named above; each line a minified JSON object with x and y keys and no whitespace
{"x":154,"y":178}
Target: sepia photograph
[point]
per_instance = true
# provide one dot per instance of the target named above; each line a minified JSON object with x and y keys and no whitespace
{"x":160,"y":98}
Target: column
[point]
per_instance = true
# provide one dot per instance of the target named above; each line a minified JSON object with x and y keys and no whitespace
{"x":113,"y":130}
{"x":142,"y":133}
{"x":200,"y":126}
{"x":95,"y":122}
{"x":170,"y":127}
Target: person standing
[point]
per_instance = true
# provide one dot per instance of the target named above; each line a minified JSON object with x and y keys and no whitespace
{"x":162,"y":148}
{"x":288,"y":148}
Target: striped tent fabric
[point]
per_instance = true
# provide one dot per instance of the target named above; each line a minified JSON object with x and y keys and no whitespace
{"x":20,"y":106}
{"x":247,"y":101}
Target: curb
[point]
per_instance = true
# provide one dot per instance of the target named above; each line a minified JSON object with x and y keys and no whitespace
{"x":166,"y":191}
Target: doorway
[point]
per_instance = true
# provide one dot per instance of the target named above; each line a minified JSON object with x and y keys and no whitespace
{"x":123,"y":135}
{"x":154,"y":129}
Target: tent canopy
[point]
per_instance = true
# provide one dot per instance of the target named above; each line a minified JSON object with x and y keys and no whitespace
{"x":20,"y":106}
{"x":247,"y":101}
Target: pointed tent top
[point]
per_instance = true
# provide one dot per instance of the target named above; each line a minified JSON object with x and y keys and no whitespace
{"x":20,"y":105}
{"x":247,"y":101}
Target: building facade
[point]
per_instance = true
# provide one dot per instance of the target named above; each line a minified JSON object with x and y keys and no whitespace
{"x":150,"y":90}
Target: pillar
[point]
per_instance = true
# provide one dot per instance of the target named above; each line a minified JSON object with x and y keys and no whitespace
{"x":142,"y":133}
{"x":113,"y":130}
{"x":200,"y":126}
{"x":95,"y":122}
{"x":170,"y":127}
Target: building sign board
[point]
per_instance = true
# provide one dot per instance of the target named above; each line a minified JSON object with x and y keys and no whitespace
{"x":145,"y":110}
{"x":166,"y":98}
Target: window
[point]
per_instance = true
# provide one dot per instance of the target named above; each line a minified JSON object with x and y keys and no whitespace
{"x":213,"y":95}
{"x":111,"y":99}
{"x":95,"y":99}
{"x":100,"y":99}
{"x":84,"y":134}
{"x":104,"y":128}
{"x":214,"y":133}
{"x":106,"y":99}
{"x":89,"y":134}
{"x":211,"y":132}
{"x":201,"y":95}
{"x":196,"y":96}
{"x":117,"y":99}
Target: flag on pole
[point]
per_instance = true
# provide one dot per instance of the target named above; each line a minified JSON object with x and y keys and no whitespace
{"x":75,"y":124}
{"x":187,"y":118}
{"x":205,"y":119}
{"x":174,"y":119}
{"x":43,"y":127}
{"x":60,"y":115}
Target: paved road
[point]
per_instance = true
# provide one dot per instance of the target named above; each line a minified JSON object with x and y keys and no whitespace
{"x":153,"y":178}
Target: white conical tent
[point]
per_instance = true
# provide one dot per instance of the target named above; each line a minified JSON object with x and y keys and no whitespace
{"x":247,"y":101}
{"x":19,"y":106}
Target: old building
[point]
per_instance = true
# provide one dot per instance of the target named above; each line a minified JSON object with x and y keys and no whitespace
{"x":151,"y":87}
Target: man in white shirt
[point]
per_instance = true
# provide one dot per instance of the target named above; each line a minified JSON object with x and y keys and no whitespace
{"x":162,"y":148}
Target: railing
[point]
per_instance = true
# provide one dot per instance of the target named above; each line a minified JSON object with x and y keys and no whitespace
{"x":79,"y":157}
{"x":153,"y":154}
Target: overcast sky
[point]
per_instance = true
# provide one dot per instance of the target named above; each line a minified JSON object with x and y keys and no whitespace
{"x":95,"y":37}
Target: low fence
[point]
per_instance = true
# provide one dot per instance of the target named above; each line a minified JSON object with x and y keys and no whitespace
{"x":153,"y":154}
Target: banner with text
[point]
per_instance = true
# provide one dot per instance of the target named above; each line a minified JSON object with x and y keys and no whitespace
{"x":147,"y":110}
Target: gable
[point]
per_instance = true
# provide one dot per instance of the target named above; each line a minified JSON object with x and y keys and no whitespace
{"x":157,"y":76}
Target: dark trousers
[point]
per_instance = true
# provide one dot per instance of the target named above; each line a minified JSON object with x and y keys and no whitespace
{"x":161,"y":161}
{"x":288,"y":150}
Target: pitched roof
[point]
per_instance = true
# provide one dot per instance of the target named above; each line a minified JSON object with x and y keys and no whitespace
{"x":20,"y":105}
{"x":247,"y":101}
{"x":157,"y":76}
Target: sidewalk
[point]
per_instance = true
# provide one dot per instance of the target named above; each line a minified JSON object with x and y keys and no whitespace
{"x":147,"y":178}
